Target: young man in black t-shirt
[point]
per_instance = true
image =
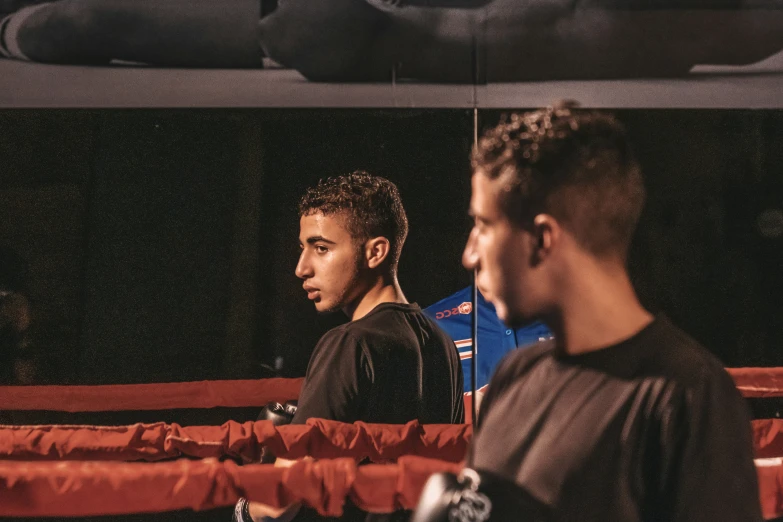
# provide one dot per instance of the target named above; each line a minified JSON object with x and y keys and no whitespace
{"x":623,"y":417}
{"x":391,"y":363}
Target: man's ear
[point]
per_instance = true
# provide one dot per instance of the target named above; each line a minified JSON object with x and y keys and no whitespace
{"x":376,"y":250}
{"x":546,"y":236}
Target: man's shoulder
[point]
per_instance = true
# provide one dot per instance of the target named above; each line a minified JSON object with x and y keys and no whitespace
{"x":674,"y":357}
{"x":379,"y":325}
{"x":681,"y":359}
{"x":340,"y":334}
{"x":392,"y":325}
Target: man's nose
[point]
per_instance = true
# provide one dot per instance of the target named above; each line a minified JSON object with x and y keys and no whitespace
{"x":469,"y":256}
{"x":303,"y":269}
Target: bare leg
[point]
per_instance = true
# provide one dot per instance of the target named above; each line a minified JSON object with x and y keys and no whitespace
{"x":561,"y":39}
{"x":186,"y":33}
{"x":514,"y":40}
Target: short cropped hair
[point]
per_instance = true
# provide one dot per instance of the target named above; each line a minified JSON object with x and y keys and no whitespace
{"x":371,"y":204}
{"x":575,"y":165}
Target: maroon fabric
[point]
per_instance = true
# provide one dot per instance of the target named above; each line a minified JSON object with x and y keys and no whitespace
{"x":91,"y":487}
{"x":160,"y":396}
{"x":35,"y":489}
{"x":758,"y":382}
{"x":319,"y":438}
{"x":108,"y":488}
{"x":768,"y":437}
{"x":770,"y":474}
{"x":152,"y":442}
{"x":752,"y":382}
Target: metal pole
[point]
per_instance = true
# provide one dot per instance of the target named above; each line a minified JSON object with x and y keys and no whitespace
{"x":474,"y":314}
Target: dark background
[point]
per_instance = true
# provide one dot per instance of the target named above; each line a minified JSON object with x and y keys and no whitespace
{"x":160,"y":245}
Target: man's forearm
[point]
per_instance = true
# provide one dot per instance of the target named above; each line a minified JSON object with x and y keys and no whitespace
{"x":260,"y":512}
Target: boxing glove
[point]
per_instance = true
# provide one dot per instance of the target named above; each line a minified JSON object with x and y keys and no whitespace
{"x":476,"y":496}
{"x":241,"y":511}
{"x":290,"y":408}
{"x":279,"y":414}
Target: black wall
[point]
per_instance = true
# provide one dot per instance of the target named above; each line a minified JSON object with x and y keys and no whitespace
{"x":161,"y":244}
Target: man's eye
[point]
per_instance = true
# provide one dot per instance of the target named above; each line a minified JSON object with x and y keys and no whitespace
{"x":321,"y":249}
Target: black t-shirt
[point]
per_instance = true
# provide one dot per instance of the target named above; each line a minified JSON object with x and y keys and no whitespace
{"x":391,"y":366}
{"x":650,"y":429}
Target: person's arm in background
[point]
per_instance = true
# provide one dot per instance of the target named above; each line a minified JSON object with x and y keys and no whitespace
{"x":262,"y":512}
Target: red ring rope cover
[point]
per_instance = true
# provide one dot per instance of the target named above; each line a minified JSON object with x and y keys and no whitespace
{"x":95,"y":488}
{"x":751,"y":382}
{"x":110,"y":488}
{"x":243,"y":441}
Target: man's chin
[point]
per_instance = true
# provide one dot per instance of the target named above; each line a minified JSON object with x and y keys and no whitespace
{"x":325,"y":309}
{"x":512,"y":319}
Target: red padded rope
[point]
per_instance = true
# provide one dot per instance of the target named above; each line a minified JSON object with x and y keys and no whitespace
{"x":159,"y":396}
{"x":751,"y":382}
{"x":152,"y":442}
{"x":34,"y":489}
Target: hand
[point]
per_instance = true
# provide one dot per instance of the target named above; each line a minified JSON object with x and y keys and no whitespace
{"x":259,"y":511}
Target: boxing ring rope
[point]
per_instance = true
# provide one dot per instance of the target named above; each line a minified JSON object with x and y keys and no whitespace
{"x":758,"y":382}
{"x":319,"y":438}
{"x":158,"y":396}
{"x":94,"y":487}
{"x":751,"y":382}
{"x":59,"y":470}
{"x":112,"y":488}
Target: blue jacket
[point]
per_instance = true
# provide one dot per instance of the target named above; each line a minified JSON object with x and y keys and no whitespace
{"x":495,"y":339}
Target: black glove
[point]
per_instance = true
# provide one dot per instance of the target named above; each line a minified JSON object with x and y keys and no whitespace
{"x":241,"y":511}
{"x":476,"y":496}
{"x":279,"y":414}
{"x":290,"y":407}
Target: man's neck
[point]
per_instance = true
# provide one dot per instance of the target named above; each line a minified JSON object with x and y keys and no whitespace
{"x":383,"y":291}
{"x":598,"y":311}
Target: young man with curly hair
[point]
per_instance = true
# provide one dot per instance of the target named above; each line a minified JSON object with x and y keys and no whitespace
{"x":623,"y":416}
{"x":390,"y":363}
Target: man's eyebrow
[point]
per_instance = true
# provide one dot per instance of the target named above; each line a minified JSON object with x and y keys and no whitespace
{"x":319,"y":239}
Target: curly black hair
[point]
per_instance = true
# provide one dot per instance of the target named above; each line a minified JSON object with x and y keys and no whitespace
{"x":575,"y":165}
{"x":372,"y":206}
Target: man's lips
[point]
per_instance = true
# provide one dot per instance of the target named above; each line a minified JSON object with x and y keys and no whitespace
{"x":312,"y":293}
